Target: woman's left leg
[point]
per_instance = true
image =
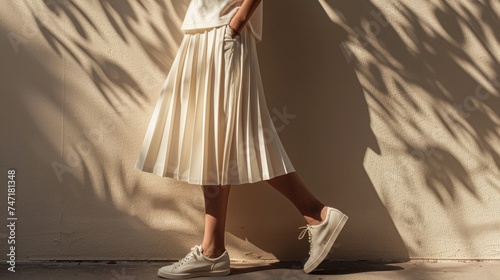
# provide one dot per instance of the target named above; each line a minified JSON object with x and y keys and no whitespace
{"x":324,"y":222}
{"x":216,"y":199}
{"x":291,"y":186}
{"x":209,"y":258}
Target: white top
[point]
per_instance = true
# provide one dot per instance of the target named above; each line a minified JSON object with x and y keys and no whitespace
{"x":203,"y":14}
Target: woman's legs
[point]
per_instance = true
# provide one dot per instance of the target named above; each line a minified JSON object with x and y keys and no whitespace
{"x":216,"y":198}
{"x":292,"y":187}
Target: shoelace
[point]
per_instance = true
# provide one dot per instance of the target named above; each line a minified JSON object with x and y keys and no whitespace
{"x":188,"y":257}
{"x":308,"y":229}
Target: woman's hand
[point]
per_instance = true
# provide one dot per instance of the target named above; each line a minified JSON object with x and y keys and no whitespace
{"x":241,"y":17}
{"x":233,"y":32}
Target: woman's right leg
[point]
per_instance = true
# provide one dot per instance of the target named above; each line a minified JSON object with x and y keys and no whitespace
{"x":216,"y":199}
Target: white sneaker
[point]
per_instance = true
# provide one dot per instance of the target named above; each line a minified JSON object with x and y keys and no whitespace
{"x":195,"y":264}
{"x":322,"y":237}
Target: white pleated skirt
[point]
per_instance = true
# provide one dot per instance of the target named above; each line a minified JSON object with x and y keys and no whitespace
{"x":211,"y":124}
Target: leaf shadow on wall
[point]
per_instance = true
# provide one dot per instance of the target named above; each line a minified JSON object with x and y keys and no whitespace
{"x":440,"y":100}
{"x":48,"y":128}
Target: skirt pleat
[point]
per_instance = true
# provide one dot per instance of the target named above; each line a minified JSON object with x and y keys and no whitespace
{"x":211,"y":124}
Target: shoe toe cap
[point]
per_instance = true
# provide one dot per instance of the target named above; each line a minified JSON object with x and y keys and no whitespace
{"x":167,"y":268}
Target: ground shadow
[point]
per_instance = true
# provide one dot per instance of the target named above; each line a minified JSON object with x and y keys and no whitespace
{"x":325,"y":268}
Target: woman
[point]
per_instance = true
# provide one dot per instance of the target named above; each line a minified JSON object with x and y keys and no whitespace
{"x":211,"y":127}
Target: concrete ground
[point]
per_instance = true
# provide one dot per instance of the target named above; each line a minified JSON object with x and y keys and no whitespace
{"x":413,"y":270}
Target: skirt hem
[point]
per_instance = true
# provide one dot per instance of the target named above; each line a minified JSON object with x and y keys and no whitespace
{"x":211,"y":183}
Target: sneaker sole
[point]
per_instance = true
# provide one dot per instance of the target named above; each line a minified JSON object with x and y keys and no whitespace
{"x":328,"y":245}
{"x":194,"y":274}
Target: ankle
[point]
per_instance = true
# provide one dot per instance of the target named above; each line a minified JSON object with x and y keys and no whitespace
{"x":317,"y":216}
{"x":214,"y":254}
{"x":212,"y":251}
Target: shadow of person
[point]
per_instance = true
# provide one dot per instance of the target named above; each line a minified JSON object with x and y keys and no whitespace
{"x":344,"y":268}
{"x":293,"y":269}
{"x":302,"y":64}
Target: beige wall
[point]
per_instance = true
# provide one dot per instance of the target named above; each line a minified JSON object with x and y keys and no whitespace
{"x":397,"y":123}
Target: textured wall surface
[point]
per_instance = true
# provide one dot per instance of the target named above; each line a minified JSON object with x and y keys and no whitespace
{"x":393,"y":116}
